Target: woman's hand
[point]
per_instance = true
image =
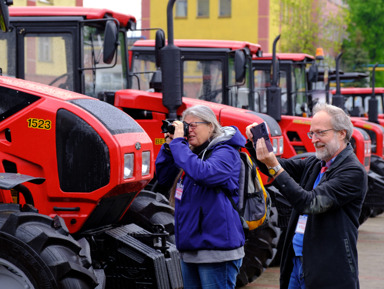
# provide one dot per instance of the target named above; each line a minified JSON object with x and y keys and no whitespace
{"x":179,"y":129}
{"x":168,"y":137}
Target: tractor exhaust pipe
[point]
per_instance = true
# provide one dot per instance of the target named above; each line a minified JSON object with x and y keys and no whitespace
{"x":338,"y":99}
{"x":373,"y":102}
{"x":274,"y":91}
{"x":171,"y":69}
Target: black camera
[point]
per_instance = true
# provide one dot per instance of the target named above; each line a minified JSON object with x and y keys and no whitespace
{"x":168,"y":127}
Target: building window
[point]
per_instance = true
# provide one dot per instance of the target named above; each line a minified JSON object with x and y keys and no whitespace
{"x":203,"y":8}
{"x":181,"y":8}
{"x":45,"y":49}
{"x":224,"y":8}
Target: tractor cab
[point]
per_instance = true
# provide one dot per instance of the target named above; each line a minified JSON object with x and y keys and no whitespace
{"x":291,"y":79}
{"x":208,"y":69}
{"x":84,"y":49}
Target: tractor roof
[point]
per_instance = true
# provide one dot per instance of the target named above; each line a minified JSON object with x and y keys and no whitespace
{"x":287,"y":56}
{"x":87,"y":13}
{"x":359,"y":90}
{"x":204,"y":43}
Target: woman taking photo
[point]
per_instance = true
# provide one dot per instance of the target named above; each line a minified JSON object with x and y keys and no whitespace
{"x":208,"y":231}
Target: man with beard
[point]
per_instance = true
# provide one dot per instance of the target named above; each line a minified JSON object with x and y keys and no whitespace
{"x":326,"y":193}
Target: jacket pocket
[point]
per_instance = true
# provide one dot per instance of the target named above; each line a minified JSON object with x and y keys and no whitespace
{"x":349,"y":255}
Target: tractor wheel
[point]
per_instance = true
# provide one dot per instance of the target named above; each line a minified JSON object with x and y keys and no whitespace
{"x":37,"y":252}
{"x":149,"y":209}
{"x":260,"y":249}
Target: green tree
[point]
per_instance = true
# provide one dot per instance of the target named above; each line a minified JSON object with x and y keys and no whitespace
{"x":355,"y":58}
{"x":365,"y":32}
{"x":304,"y":27}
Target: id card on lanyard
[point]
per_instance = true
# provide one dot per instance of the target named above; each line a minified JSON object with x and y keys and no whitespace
{"x":179,"y":191}
{"x":300,"y":228}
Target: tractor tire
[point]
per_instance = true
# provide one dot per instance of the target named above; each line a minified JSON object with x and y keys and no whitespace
{"x":374,"y":200}
{"x":37,"y":252}
{"x":149,"y":209}
{"x":260,"y":249}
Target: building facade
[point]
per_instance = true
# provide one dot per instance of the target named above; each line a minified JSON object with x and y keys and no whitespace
{"x":255,"y":21}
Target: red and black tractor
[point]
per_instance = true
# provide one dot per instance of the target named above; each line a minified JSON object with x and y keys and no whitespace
{"x":70,"y":168}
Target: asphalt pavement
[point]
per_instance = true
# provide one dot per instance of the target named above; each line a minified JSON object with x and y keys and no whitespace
{"x":370,"y":247}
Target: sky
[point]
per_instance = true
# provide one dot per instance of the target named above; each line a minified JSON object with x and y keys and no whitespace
{"x":132,"y":7}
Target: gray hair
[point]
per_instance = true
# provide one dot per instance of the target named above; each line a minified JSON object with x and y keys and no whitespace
{"x":205,"y":114}
{"x":340,"y":120}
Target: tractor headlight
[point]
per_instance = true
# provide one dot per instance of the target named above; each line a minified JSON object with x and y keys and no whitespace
{"x":274,"y":145}
{"x":281,"y":145}
{"x":146,"y":163}
{"x":128,"y":166}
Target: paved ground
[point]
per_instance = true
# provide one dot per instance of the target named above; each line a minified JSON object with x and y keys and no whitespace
{"x":371,"y":259}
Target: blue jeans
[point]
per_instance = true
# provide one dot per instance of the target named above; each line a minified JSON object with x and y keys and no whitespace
{"x":210,"y":275}
{"x":297,"y":275}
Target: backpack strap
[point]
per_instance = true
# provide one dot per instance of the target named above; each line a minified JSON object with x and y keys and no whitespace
{"x":226,"y":191}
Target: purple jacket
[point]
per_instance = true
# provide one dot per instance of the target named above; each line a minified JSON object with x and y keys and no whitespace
{"x":204,"y":218}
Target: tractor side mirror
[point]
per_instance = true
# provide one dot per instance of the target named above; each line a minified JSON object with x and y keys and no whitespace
{"x":4,"y":16}
{"x":313,"y":73}
{"x":159,"y":44}
{"x":240,"y":66}
{"x":110,"y":41}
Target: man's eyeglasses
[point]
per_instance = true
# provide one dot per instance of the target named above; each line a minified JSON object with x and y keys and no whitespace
{"x":194,"y":124}
{"x":318,"y":134}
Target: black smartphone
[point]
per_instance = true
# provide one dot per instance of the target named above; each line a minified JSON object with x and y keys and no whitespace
{"x":261,"y":131}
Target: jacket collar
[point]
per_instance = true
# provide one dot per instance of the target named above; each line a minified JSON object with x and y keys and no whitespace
{"x":342,"y":156}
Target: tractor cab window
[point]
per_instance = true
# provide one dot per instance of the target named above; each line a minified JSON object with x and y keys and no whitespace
{"x":99,"y":76}
{"x":143,"y":68}
{"x":8,"y":52}
{"x":355,"y":105}
{"x":202,"y":79}
{"x":48,"y":59}
{"x":358,"y":105}
{"x":299,"y":93}
{"x":262,"y":80}
{"x":379,"y":100}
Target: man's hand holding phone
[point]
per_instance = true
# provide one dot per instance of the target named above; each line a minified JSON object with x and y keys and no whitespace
{"x":259,"y":135}
{"x":261,"y":131}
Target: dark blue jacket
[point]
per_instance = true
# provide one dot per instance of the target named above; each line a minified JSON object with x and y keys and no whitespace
{"x":333,"y":208}
{"x":204,"y":217}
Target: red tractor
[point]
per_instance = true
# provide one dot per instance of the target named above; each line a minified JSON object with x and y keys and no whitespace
{"x":257,"y":93}
{"x":85,"y":50}
{"x":366,"y":108}
{"x":71,"y":167}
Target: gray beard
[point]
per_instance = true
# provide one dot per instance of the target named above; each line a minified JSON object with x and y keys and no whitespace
{"x":326,"y":154}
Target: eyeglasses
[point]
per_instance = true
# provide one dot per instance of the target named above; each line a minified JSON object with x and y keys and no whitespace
{"x":318,"y":134}
{"x":193,"y":125}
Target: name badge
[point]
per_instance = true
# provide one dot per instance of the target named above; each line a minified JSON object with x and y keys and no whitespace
{"x":300,"y":228}
{"x":179,"y":191}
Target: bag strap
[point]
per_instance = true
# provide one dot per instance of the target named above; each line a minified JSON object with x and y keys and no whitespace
{"x":228,"y":194}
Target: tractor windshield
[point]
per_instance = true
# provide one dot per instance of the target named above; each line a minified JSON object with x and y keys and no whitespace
{"x":202,"y":79}
{"x":262,"y":80}
{"x":98,"y":76}
{"x":299,"y":82}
